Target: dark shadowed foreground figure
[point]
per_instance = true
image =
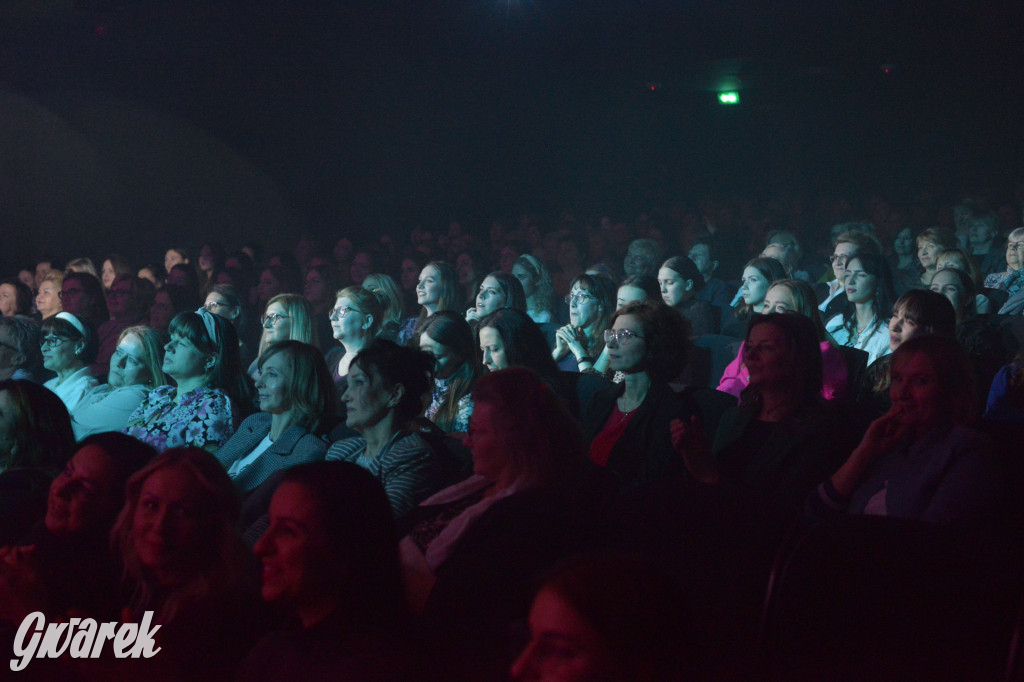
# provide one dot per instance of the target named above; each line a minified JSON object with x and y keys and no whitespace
{"x":609,"y":618}
{"x":330,"y":557}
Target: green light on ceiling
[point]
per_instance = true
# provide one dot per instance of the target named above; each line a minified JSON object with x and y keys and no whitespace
{"x":728,"y":98}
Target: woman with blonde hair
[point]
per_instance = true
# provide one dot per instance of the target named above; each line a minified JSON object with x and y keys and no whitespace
{"x":286,"y":317}
{"x":48,"y":297}
{"x":387,"y":291}
{"x":183,"y":562}
{"x":356,"y":319}
{"x":135,"y":370}
{"x":297,"y":403}
{"x":540,"y":292}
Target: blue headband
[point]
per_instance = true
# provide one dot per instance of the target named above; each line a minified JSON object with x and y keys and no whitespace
{"x":211,"y":325}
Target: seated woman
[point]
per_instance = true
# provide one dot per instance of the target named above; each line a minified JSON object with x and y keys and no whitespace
{"x":783,"y":438}
{"x":591,"y":302}
{"x":437,"y":290}
{"x":355,"y":319}
{"x":340,"y":581}
{"x":226,"y":300}
{"x":864,"y":324}
{"x":1012,"y":279}
{"x":916,"y":313}
{"x":128,"y":301}
{"x":537,"y":287}
{"x":48,"y":297}
{"x":497,"y":290}
{"x":629,"y":423}
{"x":794,"y":295}
{"x":36,"y":441}
{"x":386,"y":388}
{"x":473,"y":547}
{"x":958,"y":259}
{"x":287,"y":317}
{"x":921,"y":460}
{"x":390,"y":297}
{"x":614,"y":618}
{"x":82,"y":294}
{"x":210,"y":393}
{"x":67,"y":565}
{"x":183,"y":562}
{"x":297,"y":403}
{"x":319,"y":286}
{"x":68,"y":345}
{"x":982,"y":341}
{"x":930,"y":243}
{"x":448,"y":338}
{"x":758,"y":275}
{"x":136,"y":368}
{"x":680,"y":282}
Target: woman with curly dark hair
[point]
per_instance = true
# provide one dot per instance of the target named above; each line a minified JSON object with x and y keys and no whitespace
{"x":629,"y":422}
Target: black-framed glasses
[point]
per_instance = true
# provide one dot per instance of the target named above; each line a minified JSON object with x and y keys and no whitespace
{"x":214,"y":306}
{"x":52,"y":341}
{"x":69,"y":292}
{"x":620,"y":336}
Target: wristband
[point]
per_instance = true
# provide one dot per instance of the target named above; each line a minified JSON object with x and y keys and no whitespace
{"x":585,"y":358}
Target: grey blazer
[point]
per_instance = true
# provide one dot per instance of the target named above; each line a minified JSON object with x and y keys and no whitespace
{"x":295,"y":446}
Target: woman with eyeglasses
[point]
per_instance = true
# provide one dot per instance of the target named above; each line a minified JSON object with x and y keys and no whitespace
{"x":356,"y":320}
{"x":287,"y":317}
{"x":1012,"y":279}
{"x":210,"y":393}
{"x":135,"y":370}
{"x":628,"y":423}
{"x":68,"y":344}
{"x":591,"y":302}
{"x":226,"y":301}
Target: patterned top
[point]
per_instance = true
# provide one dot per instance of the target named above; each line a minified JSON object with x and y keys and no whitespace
{"x":202,"y":419}
{"x":465,"y":409}
{"x":1011,"y":282}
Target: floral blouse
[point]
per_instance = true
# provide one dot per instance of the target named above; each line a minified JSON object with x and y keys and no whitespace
{"x":465,"y":408}
{"x":202,"y":419}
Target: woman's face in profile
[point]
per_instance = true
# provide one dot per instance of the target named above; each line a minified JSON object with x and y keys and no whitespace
{"x":563,"y":646}
{"x":297,"y":566}
{"x":82,"y":493}
{"x":490,"y":298}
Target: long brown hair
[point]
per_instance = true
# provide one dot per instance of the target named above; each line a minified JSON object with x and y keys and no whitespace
{"x":217,"y":565}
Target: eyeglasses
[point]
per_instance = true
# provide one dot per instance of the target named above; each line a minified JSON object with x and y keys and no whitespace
{"x":272,"y":319}
{"x":339,"y":313}
{"x":69,"y":292}
{"x":52,"y":341}
{"x":213,"y":306}
{"x":117,"y":293}
{"x":1015,"y":246}
{"x":620,"y":336}
{"x":577,"y":298}
{"x":838,"y":260}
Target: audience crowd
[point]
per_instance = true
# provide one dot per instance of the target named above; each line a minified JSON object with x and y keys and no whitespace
{"x":426,"y":455}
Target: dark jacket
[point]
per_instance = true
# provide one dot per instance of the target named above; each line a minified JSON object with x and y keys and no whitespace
{"x":644,"y":453}
{"x":295,"y":446}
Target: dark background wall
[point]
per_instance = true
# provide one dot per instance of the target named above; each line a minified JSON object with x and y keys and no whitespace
{"x":133,"y":125}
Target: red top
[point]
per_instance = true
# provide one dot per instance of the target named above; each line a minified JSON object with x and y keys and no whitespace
{"x":601,"y":446}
